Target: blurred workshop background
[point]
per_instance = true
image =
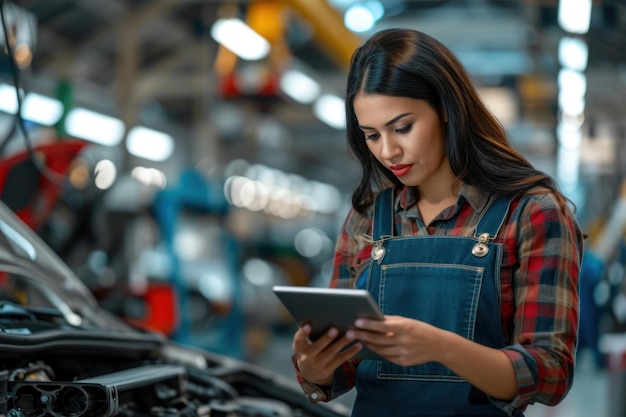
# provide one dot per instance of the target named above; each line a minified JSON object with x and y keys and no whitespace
{"x":183,"y":156}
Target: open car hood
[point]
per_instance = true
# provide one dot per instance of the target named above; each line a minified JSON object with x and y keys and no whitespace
{"x":33,"y":276}
{"x":62,"y":355}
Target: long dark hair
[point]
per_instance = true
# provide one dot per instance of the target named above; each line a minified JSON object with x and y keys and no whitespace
{"x":409,"y":63}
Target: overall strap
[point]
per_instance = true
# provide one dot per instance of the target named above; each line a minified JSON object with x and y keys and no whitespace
{"x":383,"y":214}
{"x":493,"y":218}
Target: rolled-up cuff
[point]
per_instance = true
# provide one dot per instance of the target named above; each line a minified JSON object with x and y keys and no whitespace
{"x":314,"y":393}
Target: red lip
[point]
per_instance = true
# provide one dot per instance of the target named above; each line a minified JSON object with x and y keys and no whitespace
{"x":400,"y":170}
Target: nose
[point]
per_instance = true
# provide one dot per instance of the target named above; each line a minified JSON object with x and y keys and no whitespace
{"x":389,"y":147}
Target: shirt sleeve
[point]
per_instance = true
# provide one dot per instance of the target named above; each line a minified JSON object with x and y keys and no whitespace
{"x":352,"y":256}
{"x":549,"y":249}
{"x":343,"y":381}
{"x":352,"y":250}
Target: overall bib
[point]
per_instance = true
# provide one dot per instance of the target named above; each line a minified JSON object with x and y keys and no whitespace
{"x":451,"y":282}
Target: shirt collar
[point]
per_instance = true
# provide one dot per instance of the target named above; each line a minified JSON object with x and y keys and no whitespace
{"x":478,"y":199}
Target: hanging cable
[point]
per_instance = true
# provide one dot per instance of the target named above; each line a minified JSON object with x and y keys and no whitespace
{"x":52,"y":176}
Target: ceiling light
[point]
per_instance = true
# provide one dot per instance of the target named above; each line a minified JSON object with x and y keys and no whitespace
{"x":8,"y":100}
{"x":40,"y":109}
{"x":573,"y":53}
{"x":330,"y":109}
{"x":569,"y":137}
{"x":94,"y":127}
{"x":359,"y":18}
{"x":574,"y":15}
{"x":568,"y":170}
{"x":36,"y":108}
{"x":149,"y":144}
{"x":299,"y":86}
{"x":572,"y":83}
{"x":571,"y":104}
{"x":244,"y":42}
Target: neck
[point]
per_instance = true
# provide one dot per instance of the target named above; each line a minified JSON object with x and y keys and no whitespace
{"x":443,"y":189}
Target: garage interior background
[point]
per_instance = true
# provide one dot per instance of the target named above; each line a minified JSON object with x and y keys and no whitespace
{"x":186,"y":174}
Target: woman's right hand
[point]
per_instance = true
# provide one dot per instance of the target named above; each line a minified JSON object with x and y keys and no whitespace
{"x":318,"y":360}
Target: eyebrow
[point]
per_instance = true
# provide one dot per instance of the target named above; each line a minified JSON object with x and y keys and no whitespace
{"x":390,"y":122}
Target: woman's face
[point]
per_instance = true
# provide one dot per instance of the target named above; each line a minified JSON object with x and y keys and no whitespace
{"x":406,"y":136}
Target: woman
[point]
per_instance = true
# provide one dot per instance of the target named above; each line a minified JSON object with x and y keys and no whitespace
{"x":472,"y":254}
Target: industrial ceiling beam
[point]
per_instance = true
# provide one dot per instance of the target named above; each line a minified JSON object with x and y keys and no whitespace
{"x":329,"y":30}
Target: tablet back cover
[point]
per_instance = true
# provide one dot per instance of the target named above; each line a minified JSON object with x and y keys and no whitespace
{"x":323,"y":308}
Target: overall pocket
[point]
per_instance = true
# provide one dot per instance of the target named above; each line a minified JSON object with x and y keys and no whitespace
{"x":443,"y":295}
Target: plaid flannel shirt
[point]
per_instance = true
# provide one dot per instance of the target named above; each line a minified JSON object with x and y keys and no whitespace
{"x":542,"y":252}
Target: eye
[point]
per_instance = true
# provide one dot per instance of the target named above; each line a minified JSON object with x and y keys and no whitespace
{"x":404,"y":129}
{"x":371,"y":136}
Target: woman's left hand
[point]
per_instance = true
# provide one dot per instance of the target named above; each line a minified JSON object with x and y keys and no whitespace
{"x":401,"y":340}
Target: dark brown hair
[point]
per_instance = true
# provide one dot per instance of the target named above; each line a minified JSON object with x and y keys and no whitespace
{"x":409,"y":63}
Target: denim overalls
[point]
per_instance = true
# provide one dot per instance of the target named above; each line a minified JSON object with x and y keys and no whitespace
{"x":450,"y":282}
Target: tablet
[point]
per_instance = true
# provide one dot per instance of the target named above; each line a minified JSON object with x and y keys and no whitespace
{"x":323,"y":308}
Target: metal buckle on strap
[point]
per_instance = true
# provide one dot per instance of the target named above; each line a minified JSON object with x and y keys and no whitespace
{"x":481,"y":247}
{"x":378,"y":250}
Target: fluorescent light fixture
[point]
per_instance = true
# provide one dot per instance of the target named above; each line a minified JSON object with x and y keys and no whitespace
{"x":573,"y":53}
{"x":235,"y":35}
{"x":571,"y":82}
{"x":574,"y":15}
{"x":299,"y":86}
{"x":8,"y":100}
{"x":94,"y":127}
{"x":149,"y":144}
{"x":571,"y":104}
{"x":35,"y":107}
{"x":330,"y":109}
{"x":572,"y":89}
{"x":569,"y":137}
{"x":359,"y":18}
{"x":41,"y":109}
{"x":568,"y":168}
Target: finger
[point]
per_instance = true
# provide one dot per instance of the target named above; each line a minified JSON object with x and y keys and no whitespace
{"x":306,"y":329}
{"x":340,"y":344}
{"x":321,"y":343}
{"x":371,"y":325}
{"x":327,"y":353}
{"x":348,"y":353}
{"x":373,"y":338}
{"x":341,"y":350}
{"x":301,"y":336}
